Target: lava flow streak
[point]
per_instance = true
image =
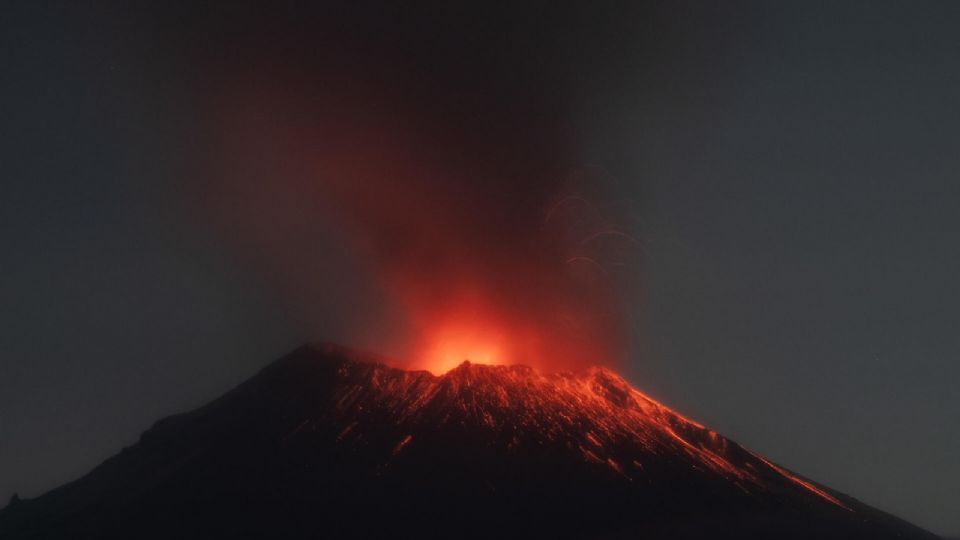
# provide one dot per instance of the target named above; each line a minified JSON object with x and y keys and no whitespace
{"x":593,"y":413}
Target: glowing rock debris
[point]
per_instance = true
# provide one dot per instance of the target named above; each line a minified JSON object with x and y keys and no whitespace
{"x":594,"y":412}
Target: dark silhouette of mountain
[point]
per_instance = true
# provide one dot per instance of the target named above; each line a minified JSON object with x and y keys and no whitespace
{"x":329,"y":443}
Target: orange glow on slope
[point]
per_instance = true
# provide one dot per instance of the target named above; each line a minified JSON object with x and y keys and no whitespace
{"x":592,"y":412}
{"x":803,"y":483}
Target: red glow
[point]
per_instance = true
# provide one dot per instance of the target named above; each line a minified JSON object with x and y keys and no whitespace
{"x":471,"y":332}
{"x":449,"y":345}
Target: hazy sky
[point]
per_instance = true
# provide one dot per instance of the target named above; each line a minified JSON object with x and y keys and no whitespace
{"x":792,"y":171}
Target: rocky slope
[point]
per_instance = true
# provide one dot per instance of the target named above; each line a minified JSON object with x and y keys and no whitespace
{"x":330,"y":443}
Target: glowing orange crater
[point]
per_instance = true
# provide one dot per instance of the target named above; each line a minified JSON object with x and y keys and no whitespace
{"x":450,"y":346}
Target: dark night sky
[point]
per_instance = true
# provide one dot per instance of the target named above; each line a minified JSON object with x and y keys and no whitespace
{"x":794,"y":170}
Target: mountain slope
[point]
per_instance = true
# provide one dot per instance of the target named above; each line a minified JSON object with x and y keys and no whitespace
{"x":328,"y":443}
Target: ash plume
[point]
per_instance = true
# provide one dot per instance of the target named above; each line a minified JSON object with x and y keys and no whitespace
{"x":445,"y":165}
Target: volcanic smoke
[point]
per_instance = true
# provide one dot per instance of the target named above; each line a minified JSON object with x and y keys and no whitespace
{"x":457,"y":186}
{"x":480,"y":232}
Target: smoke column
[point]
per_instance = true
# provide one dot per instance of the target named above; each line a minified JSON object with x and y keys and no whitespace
{"x":445,"y":166}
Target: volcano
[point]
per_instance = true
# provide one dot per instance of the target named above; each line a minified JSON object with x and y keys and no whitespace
{"x":331,"y":443}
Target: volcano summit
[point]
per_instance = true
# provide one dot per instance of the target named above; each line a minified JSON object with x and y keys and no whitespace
{"x":330,"y":443}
